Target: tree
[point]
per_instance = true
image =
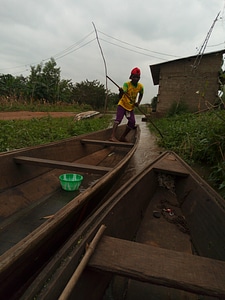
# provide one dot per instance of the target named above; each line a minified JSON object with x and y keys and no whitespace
{"x":65,"y":91}
{"x":44,"y":82}
{"x":6,"y":85}
{"x":90,"y":92}
{"x":12,"y":87}
{"x":44,"y":85}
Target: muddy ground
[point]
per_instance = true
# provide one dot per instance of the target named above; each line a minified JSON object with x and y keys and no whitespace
{"x":25,"y":115}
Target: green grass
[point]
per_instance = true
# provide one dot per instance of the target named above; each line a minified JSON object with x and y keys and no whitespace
{"x":197,"y":138}
{"x":16,"y":134}
{"x":18,"y":106}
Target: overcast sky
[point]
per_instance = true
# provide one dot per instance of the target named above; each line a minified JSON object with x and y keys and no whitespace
{"x":131,"y":34}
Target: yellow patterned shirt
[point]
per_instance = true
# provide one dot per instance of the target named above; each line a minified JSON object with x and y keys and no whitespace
{"x":128,"y":99}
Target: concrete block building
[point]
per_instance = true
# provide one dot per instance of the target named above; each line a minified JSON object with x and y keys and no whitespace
{"x":191,"y":80}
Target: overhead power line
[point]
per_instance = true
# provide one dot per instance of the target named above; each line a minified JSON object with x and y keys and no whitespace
{"x":74,"y":47}
{"x":86,"y":41}
{"x":131,"y":49}
{"x":73,"y":50}
{"x":160,"y":53}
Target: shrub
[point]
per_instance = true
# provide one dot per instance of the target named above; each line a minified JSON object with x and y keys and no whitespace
{"x":177,"y":108}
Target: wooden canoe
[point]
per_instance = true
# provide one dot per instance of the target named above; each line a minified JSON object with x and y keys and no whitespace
{"x":165,"y":232}
{"x":36,"y":215}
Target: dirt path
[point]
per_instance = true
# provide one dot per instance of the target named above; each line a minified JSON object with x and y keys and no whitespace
{"x":25,"y":115}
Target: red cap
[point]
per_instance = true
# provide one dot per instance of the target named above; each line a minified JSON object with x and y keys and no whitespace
{"x":136,"y":71}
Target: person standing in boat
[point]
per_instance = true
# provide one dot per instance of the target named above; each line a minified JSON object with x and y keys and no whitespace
{"x":131,"y":91}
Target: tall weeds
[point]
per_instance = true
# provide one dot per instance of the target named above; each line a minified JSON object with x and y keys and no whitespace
{"x":198,"y":138}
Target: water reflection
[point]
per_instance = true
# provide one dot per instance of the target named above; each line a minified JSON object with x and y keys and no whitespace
{"x":146,"y":152}
{"x":147,"y":149}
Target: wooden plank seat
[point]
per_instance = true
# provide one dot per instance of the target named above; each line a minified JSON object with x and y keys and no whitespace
{"x":106,"y":143}
{"x":171,"y":165}
{"x":61,"y":165}
{"x":160,"y":266}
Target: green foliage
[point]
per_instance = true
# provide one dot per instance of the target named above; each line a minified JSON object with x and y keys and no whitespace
{"x":177,"y":108}
{"x":113,"y":99}
{"x":92,"y":91}
{"x":12,"y":87}
{"x":154,"y":102}
{"x":197,"y":138}
{"x":44,"y":82}
{"x":217,"y":176}
{"x":17,"y":134}
{"x":44,"y":85}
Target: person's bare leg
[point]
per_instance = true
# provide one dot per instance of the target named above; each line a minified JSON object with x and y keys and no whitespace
{"x":113,"y":135}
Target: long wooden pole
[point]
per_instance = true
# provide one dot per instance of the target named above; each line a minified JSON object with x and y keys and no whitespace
{"x":104,"y":61}
{"x":76,"y":275}
{"x":147,"y":117}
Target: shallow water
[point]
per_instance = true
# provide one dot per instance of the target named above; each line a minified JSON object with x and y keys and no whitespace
{"x":146,"y":152}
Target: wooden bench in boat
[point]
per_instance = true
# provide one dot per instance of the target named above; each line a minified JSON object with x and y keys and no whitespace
{"x":160,"y":266}
{"x":61,"y":165}
{"x":170,"y":165}
{"x":107,"y":143}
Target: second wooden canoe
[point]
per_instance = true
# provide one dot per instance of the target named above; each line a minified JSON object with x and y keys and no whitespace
{"x":36,"y":215}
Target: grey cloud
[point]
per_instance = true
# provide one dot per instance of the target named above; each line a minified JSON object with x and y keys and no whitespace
{"x":32,"y":31}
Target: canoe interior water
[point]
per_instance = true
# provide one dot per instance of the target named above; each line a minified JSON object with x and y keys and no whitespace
{"x":21,"y":223}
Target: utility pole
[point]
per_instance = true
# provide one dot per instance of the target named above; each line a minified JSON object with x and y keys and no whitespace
{"x":202,"y":49}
